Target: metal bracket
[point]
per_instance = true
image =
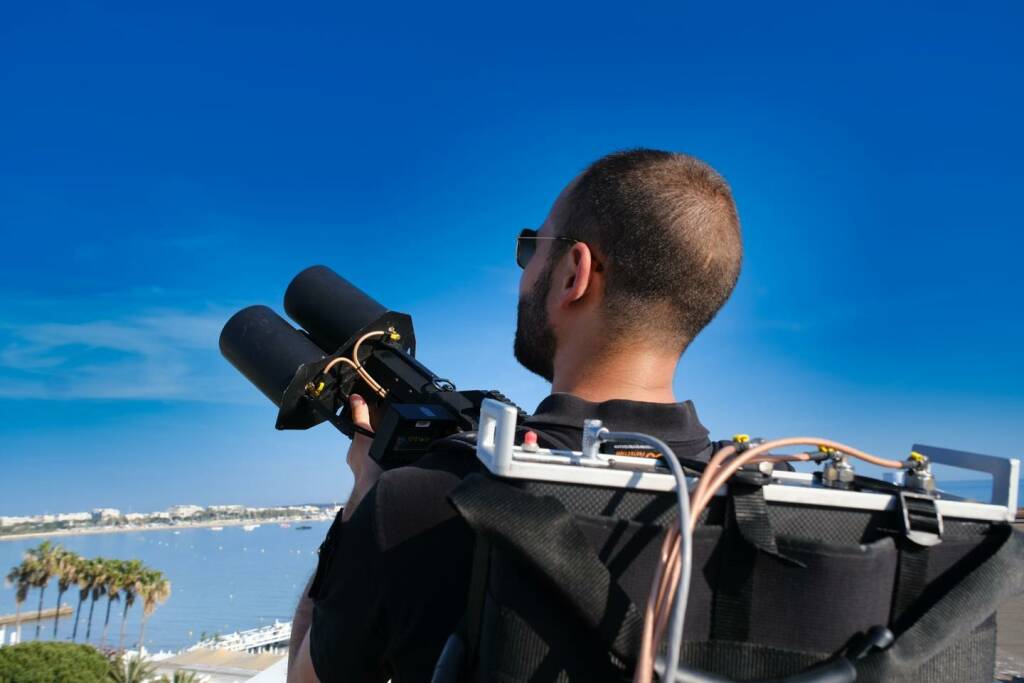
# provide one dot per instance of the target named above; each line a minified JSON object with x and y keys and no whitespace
{"x":1005,"y":472}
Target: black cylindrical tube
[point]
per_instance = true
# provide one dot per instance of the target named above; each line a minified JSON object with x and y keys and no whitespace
{"x":329,"y":307}
{"x":266,"y":349}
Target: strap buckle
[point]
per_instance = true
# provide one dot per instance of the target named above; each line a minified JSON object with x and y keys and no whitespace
{"x":922,"y":521}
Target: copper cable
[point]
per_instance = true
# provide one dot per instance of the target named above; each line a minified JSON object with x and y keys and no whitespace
{"x":359,"y":364}
{"x":355,"y":365}
{"x":339,"y":359}
{"x":663,"y":610}
{"x":718,"y":479}
{"x":714,"y":463}
{"x":669,"y":549}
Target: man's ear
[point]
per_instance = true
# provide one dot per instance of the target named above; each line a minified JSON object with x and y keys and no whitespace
{"x":577,"y":278}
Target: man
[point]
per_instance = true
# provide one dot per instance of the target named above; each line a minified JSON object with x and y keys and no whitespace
{"x":635,"y":258}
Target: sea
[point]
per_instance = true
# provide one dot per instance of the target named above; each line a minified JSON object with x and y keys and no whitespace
{"x":221,"y":581}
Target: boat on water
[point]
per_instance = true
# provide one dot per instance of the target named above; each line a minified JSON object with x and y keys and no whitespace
{"x":303,"y":527}
{"x":250,"y":527}
{"x":284,"y":525}
{"x":216,"y":528}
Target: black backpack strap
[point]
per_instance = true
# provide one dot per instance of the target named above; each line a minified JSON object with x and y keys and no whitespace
{"x":541,"y":534}
{"x":471,"y":624}
{"x":750,"y":513}
{"x":955,"y":616}
{"x":466,"y":641}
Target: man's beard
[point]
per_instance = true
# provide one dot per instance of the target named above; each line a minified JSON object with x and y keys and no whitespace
{"x":535,"y":340}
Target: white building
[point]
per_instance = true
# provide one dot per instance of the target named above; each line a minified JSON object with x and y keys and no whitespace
{"x":74,"y":517}
{"x":11,"y":521}
{"x":307,"y":510}
{"x":184,"y":511}
{"x":226,"y":509}
{"x":106,"y":515}
{"x":224,"y":666}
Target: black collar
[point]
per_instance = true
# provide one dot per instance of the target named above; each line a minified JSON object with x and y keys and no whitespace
{"x":672,"y":422}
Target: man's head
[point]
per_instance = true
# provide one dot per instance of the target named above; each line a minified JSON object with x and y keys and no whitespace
{"x":654,"y":251}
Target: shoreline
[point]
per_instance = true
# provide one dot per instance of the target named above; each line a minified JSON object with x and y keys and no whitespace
{"x":89,"y":531}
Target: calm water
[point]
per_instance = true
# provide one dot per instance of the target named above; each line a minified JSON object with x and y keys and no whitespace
{"x":221,"y":581}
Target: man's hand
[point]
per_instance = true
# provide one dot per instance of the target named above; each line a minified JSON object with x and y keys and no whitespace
{"x":364,"y":469}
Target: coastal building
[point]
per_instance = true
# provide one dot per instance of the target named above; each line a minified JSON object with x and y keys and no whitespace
{"x":254,"y":654}
{"x":106,"y":515}
{"x":305,"y":510}
{"x":74,"y":517}
{"x":12,"y":521}
{"x":185,"y":511}
{"x":226,"y":509}
{"x":224,"y":666}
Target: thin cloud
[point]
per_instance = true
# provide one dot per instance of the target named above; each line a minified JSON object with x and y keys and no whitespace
{"x":165,"y":354}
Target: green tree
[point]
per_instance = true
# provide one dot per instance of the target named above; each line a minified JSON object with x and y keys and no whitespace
{"x":65,"y":565}
{"x":180,"y":676}
{"x":131,"y":575}
{"x":113,"y":591}
{"x":130,"y":670}
{"x":20,"y":579}
{"x":83,"y":577}
{"x":154,"y":589}
{"x":99,"y":577}
{"x":40,"y":562}
{"x":52,"y":663}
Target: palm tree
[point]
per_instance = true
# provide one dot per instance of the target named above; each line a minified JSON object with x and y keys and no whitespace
{"x":154,"y":590}
{"x":180,"y":676}
{"x":66,"y":564}
{"x":20,"y":579}
{"x":113,"y":590}
{"x":40,"y":561}
{"x":130,"y":670}
{"x":131,"y":576}
{"x":84,"y":577}
{"x":100,"y":575}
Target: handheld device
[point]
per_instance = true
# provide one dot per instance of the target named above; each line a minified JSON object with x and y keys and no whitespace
{"x":349,"y":343}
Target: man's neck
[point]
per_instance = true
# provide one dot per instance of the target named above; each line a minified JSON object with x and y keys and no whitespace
{"x":634,"y":376}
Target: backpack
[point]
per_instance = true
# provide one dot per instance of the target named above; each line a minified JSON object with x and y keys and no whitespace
{"x":561,"y":574}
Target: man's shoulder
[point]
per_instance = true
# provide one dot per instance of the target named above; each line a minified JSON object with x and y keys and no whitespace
{"x":413,"y":499}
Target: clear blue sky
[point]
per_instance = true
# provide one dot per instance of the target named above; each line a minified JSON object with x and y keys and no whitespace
{"x":162,"y":165}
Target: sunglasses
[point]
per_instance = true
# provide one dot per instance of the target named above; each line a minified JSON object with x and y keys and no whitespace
{"x":526,"y":245}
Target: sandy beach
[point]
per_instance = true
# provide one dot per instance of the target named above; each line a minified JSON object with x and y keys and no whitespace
{"x":160,"y":527}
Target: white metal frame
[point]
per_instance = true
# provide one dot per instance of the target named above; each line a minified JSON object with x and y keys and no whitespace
{"x":497,"y":450}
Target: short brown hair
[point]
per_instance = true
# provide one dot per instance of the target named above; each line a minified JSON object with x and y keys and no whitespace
{"x":667,"y":225}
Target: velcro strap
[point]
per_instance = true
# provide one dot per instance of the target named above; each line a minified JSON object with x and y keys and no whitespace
{"x":751,"y":514}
